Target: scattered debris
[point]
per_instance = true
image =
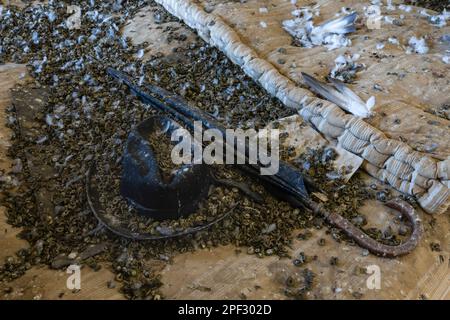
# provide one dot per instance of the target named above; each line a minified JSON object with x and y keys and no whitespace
{"x":93,"y":121}
{"x":299,"y":285}
{"x":393,"y":40}
{"x":417,"y":46}
{"x":346,"y":68}
{"x":435,"y":247}
{"x":330,"y":34}
{"x":439,"y":20}
{"x":446,"y":59}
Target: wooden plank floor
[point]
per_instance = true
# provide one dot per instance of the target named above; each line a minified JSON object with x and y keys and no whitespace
{"x":222,"y":273}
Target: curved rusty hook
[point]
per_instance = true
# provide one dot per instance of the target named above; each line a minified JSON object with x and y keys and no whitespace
{"x":369,"y":243}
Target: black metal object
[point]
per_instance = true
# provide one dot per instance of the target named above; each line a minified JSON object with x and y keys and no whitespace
{"x":288,"y":184}
{"x":143,"y":185}
{"x":104,"y":221}
{"x":288,"y":181}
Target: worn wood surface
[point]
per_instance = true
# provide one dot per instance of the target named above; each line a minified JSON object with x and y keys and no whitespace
{"x":224,"y":273}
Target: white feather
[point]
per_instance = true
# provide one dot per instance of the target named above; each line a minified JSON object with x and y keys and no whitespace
{"x":342,"y":25}
{"x":341,"y":96}
{"x":370,"y":103}
{"x":330,"y":34}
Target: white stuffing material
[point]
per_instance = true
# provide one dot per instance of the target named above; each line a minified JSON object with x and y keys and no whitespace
{"x":330,"y":34}
{"x":380,"y":45}
{"x":390,"y":6}
{"x":389,"y":19}
{"x":439,"y":20}
{"x":140,"y":54}
{"x":417,"y":45}
{"x":405,"y":8}
{"x":424,"y":12}
{"x":393,"y":40}
{"x":346,"y":67}
{"x":372,"y":10}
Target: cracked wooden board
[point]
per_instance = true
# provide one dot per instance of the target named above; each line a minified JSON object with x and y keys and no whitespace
{"x":10,"y":75}
{"x":162,"y":38}
{"x":41,"y":283}
{"x":210,"y":274}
